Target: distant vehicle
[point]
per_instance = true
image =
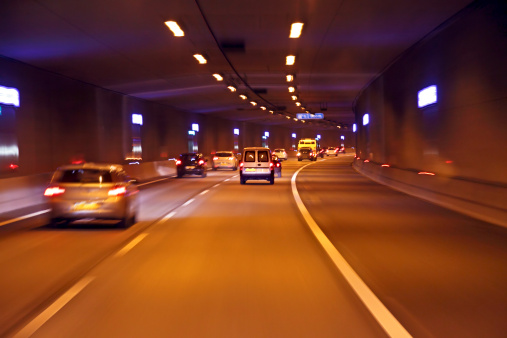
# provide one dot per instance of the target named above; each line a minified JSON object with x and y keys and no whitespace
{"x":225,"y":160}
{"x":281,"y":153}
{"x":257,"y":165}
{"x":341,"y":150}
{"x":191,"y":164}
{"x":308,"y":143}
{"x":278,"y":165}
{"x":89,"y":190}
{"x":330,"y":151}
{"x":306,"y":153}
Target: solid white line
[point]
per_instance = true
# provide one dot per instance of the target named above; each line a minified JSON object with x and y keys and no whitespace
{"x":46,"y":315}
{"x":169,"y":215}
{"x":204,"y":192}
{"x":162,"y":179}
{"x":188,"y":202}
{"x":24,"y":217}
{"x":132,"y":244}
{"x":385,"y":318}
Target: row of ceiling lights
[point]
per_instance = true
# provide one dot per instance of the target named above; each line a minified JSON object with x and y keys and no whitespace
{"x":295,"y":32}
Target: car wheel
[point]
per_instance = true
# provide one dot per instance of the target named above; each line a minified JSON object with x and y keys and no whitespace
{"x":214,"y":169}
{"x":235,"y":168}
{"x":58,"y":222}
{"x":279,"y":174}
{"x":299,"y":159}
{"x":242,"y":180}
{"x":272,"y":179}
{"x":203,"y":174}
{"x":124,"y":222}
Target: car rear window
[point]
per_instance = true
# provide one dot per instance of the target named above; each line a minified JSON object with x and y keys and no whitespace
{"x":250,"y":156}
{"x":263,"y":155}
{"x":85,"y":176}
{"x":223,"y":154}
{"x":189,"y":159}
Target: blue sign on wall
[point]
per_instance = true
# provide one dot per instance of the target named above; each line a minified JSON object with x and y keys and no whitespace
{"x":316,"y":116}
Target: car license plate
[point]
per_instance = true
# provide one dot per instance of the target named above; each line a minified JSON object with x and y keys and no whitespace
{"x":223,"y":163}
{"x":189,"y":167}
{"x":250,"y":170}
{"x":80,"y":206}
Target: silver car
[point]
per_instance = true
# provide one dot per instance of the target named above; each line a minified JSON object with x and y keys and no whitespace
{"x":90,"y":190}
{"x":225,"y":160}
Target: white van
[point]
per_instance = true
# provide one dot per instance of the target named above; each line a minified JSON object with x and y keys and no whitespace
{"x":256,"y":165}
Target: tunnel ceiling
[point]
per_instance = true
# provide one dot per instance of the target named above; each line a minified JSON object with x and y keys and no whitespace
{"x":125,"y":46}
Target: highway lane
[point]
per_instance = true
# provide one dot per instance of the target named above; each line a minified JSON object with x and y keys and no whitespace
{"x":236,"y":261}
{"x":240,"y":260}
{"x":442,"y":274}
{"x":38,"y":262}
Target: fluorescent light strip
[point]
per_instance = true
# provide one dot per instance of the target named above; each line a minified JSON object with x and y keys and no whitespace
{"x":200,"y":58}
{"x":290,"y":60}
{"x":173,"y":26}
{"x":295,"y":30}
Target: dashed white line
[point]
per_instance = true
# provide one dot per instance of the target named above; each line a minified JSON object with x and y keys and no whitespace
{"x":130,"y":245}
{"x":385,"y":318}
{"x":204,"y":192}
{"x":24,"y":217}
{"x":188,"y":202}
{"x":42,"y":318}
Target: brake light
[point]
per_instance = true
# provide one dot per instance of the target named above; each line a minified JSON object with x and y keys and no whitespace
{"x":278,"y":164}
{"x":178,"y":162}
{"x":215,"y":158}
{"x":241,"y":164}
{"x":201,"y":162}
{"x":117,"y":191}
{"x":54,"y":191}
{"x":271,"y":164}
{"x":231,"y":158}
{"x":299,"y":154}
{"x":13,"y":166}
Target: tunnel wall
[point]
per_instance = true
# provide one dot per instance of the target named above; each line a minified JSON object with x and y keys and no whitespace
{"x":61,"y":120}
{"x":461,"y":138}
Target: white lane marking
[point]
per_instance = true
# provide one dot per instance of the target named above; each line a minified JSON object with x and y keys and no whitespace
{"x":130,"y":245}
{"x":187,"y":202}
{"x":50,"y":311}
{"x":162,"y":179}
{"x":169,"y":215}
{"x":24,"y":217}
{"x":385,"y":318}
{"x":216,"y":185}
{"x":204,"y":192}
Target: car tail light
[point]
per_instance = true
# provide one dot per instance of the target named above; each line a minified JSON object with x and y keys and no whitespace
{"x":299,"y":154}
{"x":231,"y":158}
{"x":215,"y":158}
{"x":54,"y":191}
{"x":278,"y":164}
{"x":271,"y":165}
{"x":201,"y":162}
{"x":241,"y":164}
{"x":117,"y":191}
{"x":178,"y":162}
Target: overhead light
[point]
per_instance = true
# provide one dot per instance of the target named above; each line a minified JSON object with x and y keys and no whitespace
{"x":262,"y":107}
{"x":289,"y":77}
{"x":295,"y":30}
{"x":288,"y":117}
{"x":292,"y":89}
{"x":271,"y":112}
{"x":295,"y":119}
{"x":290,"y":60}
{"x":243,"y":97}
{"x":173,"y":26}
{"x":218,"y":77}
{"x":294,"y":97}
{"x":200,"y":58}
{"x":253,"y":103}
{"x":231,"y":88}
{"x":298,"y":104}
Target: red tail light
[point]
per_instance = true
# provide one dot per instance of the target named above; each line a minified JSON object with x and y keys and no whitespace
{"x":178,"y":162}
{"x":54,"y":191}
{"x":271,"y":165}
{"x":278,"y":164}
{"x":241,"y":164}
{"x":201,"y":162}
{"x":117,"y":191}
{"x":13,"y":166}
{"x":231,"y":158}
{"x":215,"y":158}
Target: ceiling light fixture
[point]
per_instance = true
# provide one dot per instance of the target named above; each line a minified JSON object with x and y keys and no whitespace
{"x":292,"y":89}
{"x":289,"y":77}
{"x":202,"y":60}
{"x":262,"y":107}
{"x":298,"y":104}
{"x":218,"y":77}
{"x":243,"y":97}
{"x":231,"y":88}
{"x":294,"y":97}
{"x":173,"y":26}
{"x":295,"y":30}
{"x":253,"y":103}
{"x":290,"y":60}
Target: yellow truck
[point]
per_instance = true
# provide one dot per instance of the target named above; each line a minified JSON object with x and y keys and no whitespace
{"x":308,"y":143}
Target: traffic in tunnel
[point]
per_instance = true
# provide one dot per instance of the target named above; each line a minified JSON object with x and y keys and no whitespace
{"x":257,"y":168}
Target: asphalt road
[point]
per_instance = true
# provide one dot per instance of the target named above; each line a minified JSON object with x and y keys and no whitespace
{"x":212,"y":258}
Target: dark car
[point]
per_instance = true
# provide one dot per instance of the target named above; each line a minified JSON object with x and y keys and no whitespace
{"x":306,"y":153}
{"x":277,"y":161}
{"x":191,"y":164}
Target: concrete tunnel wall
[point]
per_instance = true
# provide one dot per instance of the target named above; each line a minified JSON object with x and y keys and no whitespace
{"x":462,"y":138}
